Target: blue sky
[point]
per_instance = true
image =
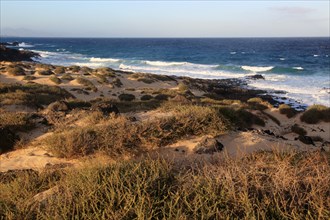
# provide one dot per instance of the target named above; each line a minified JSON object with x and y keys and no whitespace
{"x":164,"y":18}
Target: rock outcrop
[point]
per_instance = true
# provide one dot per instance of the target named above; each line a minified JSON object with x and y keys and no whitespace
{"x":9,"y":54}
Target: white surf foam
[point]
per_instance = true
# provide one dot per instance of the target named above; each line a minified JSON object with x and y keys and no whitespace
{"x":23,"y":44}
{"x":298,"y":68}
{"x":105,"y":60}
{"x":162,"y":63}
{"x":257,"y":68}
{"x":282,"y":58}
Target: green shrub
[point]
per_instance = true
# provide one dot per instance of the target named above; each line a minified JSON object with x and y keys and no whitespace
{"x":287,"y":110}
{"x":15,"y":71}
{"x":55,"y":80}
{"x":126,"y":97}
{"x":315,"y":114}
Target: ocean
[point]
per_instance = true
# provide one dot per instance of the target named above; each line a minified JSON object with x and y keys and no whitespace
{"x":296,"y":70}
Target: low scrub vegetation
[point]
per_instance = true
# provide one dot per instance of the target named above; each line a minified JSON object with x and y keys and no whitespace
{"x":315,"y":114}
{"x":59,"y":70}
{"x":15,"y":71}
{"x":16,"y":121}
{"x":55,"y":80}
{"x":29,"y":77}
{"x":265,"y":185}
{"x":31,"y":94}
{"x":126,"y":97}
{"x":88,"y":84}
{"x":298,"y":130}
{"x":240,"y":117}
{"x":258,"y":104}
{"x":287,"y":110}
{"x":44,"y":72}
{"x":67,"y":76}
{"x":117,"y":134}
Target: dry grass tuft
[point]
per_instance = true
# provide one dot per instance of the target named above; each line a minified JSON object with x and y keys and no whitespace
{"x":266,"y":185}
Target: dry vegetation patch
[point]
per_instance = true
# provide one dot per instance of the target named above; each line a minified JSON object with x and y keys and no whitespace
{"x":315,"y":114}
{"x":266,"y":185}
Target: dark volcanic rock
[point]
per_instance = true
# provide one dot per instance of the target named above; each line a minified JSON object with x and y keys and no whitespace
{"x":257,"y":76}
{"x":7,"y":139}
{"x":105,"y":107}
{"x":306,"y":139}
{"x":15,"y":43}
{"x":9,"y":54}
{"x":208,"y":146}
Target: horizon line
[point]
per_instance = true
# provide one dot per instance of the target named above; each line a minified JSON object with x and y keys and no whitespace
{"x":137,"y":37}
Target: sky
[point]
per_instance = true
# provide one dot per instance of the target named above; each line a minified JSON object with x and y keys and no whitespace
{"x":45,"y":18}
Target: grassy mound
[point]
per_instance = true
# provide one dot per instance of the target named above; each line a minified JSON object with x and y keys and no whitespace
{"x":31,"y":94}
{"x":315,"y":114}
{"x":287,"y":110}
{"x":117,"y":135}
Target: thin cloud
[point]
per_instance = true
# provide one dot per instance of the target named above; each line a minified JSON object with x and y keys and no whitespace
{"x":293,"y":10}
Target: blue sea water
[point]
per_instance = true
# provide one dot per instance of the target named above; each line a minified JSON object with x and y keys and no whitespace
{"x":300,"y":67}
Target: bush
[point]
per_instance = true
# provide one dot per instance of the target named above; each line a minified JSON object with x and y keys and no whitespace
{"x":29,"y":77}
{"x":315,"y":114}
{"x":15,"y":71}
{"x":126,"y":97}
{"x":55,"y":80}
{"x":106,"y":71}
{"x":182,"y":87}
{"x":16,"y":121}
{"x":31,"y":94}
{"x":59,"y":70}
{"x":67,"y":76}
{"x":102,"y":78}
{"x":146,"y":97}
{"x":240,"y":118}
{"x":45,"y":72}
{"x":258,"y":104}
{"x":85,"y":82}
{"x":298,"y":130}
{"x":74,"y":68}
{"x":287,"y":110}
{"x":73,"y":143}
{"x":116,"y":82}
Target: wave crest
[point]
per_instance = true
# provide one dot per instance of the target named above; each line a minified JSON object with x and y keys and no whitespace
{"x":162,"y":63}
{"x":257,"y":68}
{"x":23,"y":44}
{"x":103,"y":60}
